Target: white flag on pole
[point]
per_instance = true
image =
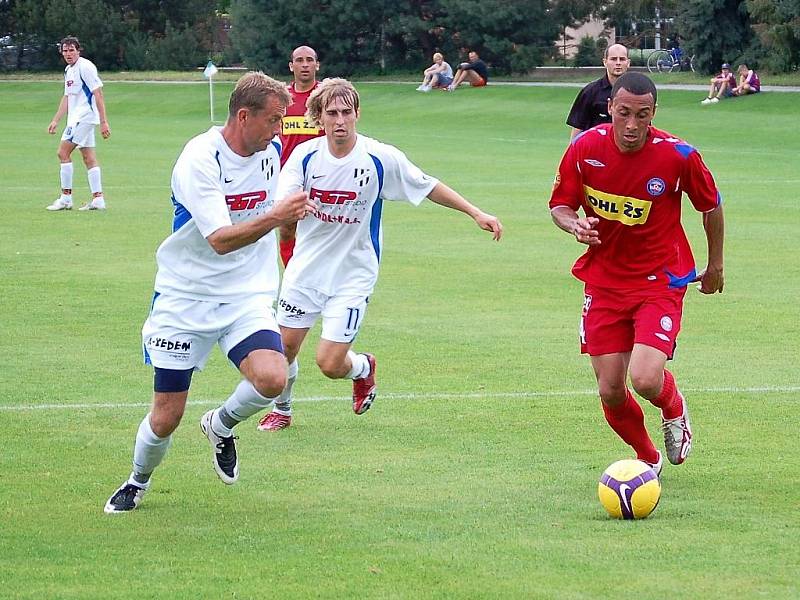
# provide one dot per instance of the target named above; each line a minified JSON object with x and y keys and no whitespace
{"x":210,"y":70}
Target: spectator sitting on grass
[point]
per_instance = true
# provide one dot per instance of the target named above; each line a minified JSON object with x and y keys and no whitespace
{"x":722,"y":86}
{"x":439,"y":74}
{"x":749,"y":82}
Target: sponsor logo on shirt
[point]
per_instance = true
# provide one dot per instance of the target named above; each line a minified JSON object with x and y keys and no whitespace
{"x":298,"y":126}
{"x":332,"y":196}
{"x":246,"y":201}
{"x":625,"y":209}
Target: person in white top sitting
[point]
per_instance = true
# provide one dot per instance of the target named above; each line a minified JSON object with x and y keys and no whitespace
{"x":335,"y":264}
{"x":439,"y":74}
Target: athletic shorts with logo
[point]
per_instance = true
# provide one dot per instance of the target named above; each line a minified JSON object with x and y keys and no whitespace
{"x":180,"y":333}
{"x":613,"y":320}
{"x":81,"y":134}
{"x":342,"y":315}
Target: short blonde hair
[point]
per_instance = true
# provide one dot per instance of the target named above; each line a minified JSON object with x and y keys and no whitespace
{"x":437,"y":55}
{"x":253,"y":91}
{"x":325,"y":93}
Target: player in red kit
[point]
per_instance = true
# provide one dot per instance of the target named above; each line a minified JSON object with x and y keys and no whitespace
{"x":304,"y":66}
{"x":628,"y":179}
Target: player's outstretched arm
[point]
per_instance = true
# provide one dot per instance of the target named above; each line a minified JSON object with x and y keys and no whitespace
{"x":583,"y":228}
{"x":711,"y":278}
{"x":291,"y":209}
{"x":446,"y":196}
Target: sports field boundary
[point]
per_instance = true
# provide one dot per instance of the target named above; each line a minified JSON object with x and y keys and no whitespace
{"x":409,"y":396}
{"x":694,"y":87}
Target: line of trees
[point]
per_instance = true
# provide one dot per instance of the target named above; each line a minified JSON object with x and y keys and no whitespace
{"x":369,"y":36}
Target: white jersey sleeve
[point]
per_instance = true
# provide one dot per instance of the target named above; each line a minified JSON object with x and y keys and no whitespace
{"x":402,"y":179}
{"x":197,"y":181}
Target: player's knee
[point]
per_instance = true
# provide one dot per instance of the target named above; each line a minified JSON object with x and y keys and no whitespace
{"x":269,"y":380}
{"x":646,"y":383}
{"x":63,"y":155}
{"x":165,"y":419}
{"x":331,"y":367}
{"x":612,"y":393}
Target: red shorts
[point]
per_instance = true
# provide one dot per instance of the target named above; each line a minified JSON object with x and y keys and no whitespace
{"x":479,"y":83}
{"x":614,"y":320}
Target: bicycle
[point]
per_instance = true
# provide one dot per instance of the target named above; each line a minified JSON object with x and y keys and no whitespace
{"x":667,"y":61}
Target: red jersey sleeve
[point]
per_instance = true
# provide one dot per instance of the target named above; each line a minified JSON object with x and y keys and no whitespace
{"x":698,"y":183}
{"x":567,"y":187}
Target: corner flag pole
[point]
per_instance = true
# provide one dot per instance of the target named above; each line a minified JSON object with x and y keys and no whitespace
{"x":209,"y":73}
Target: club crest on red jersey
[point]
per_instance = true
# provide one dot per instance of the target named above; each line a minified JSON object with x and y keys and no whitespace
{"x":656,"y":186}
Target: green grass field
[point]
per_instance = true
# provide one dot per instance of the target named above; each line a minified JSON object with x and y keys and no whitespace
{"x":474,"y":474}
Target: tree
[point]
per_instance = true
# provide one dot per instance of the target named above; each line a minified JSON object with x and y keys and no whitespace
{"x":715,"y":31}
{"x":777,"y":24}
{"x":344,"y":33}
{"x":510,"y":36}
{"x":363,"y":35}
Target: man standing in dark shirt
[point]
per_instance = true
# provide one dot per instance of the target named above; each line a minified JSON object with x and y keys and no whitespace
{"x":475,"y":72}
{"x":591,"y":104}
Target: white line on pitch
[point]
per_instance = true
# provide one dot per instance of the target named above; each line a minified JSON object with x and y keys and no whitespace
{"x":410,"y":396}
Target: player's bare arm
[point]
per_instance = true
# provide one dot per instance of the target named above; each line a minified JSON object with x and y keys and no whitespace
{"x":62,"y":110}
{"x":583,"y":228}
{"x":446,"y":196}
{"x":711,"y":278}
{"x":105,"y":131}
{"x":291,"y":209}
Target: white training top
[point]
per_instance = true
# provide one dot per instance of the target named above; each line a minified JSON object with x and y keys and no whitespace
{"x":80,"y":82}
{"x":338,"y":247}
{"x":212,"y":187}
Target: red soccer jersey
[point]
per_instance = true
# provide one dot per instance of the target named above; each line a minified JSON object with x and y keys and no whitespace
{"x":637,"y":197}
{"x":295,"y":129}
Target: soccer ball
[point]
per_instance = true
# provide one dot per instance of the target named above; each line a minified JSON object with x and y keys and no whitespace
{"x":629,"y":489}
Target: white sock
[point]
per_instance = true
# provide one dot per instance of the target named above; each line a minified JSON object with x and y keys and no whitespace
{"x":360,"y":368}
{"x":66,"y":179}
{"x":283,"y":403}
{"x":243,"y":403}
{"x":95,"y":186}
{"x":149,"y":449}
{"x":142,"y":484}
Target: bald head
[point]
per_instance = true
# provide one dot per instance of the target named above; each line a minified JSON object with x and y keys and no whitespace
{"x":616,"y":61}
{"x":304,"y":66}
{"x":303,"y":51}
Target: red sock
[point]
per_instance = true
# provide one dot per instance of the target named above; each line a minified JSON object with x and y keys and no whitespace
{"x":668,"y":400}
{"x":287,"y":249}
{"x":627,"y":420}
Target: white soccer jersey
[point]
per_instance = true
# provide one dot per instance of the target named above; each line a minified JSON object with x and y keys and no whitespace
{"x":212,"y":187}
{"x":80,"y":81}
{"x":338,"y":247}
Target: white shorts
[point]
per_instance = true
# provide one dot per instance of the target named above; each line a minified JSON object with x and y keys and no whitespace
{"x":80,"y":134}
{"x":180,"y":333}
{"x":299,"y":308}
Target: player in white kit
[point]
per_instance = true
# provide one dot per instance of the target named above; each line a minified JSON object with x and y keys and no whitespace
{"x":86,"y":108}
{"x":217,"y":281}
{"x":334,"y":267}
